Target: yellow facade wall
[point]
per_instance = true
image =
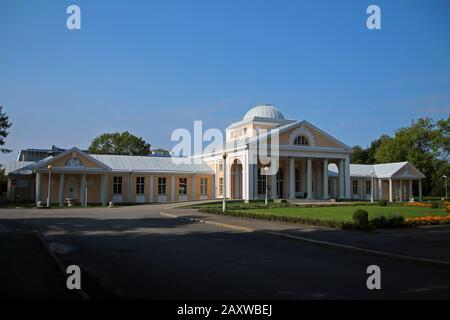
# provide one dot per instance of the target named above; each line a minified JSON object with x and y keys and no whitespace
{"x":320,"y":139}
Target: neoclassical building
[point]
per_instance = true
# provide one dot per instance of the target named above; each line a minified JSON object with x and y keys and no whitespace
{"x":265,"y":152}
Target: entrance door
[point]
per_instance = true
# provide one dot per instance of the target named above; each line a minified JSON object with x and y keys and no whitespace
{"x":72,"y":188}
{"x":280,"y":183}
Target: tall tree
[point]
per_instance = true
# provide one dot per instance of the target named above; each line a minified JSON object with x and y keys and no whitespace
{"x":367,"y":155}
{"x":4,"y":126}
{"x":119,"y":143}
{"x":423,"y":144}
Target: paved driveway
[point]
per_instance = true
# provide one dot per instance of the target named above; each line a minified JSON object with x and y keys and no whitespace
{"x":134,"y":252}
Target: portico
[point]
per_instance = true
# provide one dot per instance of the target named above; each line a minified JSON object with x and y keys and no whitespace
{"x":300,"y":159}
{"x":302,"y":178}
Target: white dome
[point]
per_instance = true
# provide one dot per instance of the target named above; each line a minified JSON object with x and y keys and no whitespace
{"x":264,"y":111}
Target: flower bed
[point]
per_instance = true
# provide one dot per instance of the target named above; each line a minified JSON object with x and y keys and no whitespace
{"x":418,"y":204}
{"x":428,"y":220}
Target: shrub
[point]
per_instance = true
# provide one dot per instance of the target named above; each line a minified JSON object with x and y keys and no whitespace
{"x":388,"y":222}
{"x":434,"y":205}
{"x":361,"y":217}
{"x":382,"y":203}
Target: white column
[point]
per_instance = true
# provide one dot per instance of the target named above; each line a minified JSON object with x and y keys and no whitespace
{"x":380,"y":189}
{"x":410,"y":191}
{"x":193,"y":186}
{"x":245,"y":179}
{"x":420,"y":190}
{"x":172,"y":189}
{"x":213,"y":192}
{"x":326,"y":194}
{"x":61,"y":190}
{"x":309,"y":179}
{"x":292,"y":178}
{"x":251,"y":181}
{"x":227,"y":174}
{"x":341,"y":180}
{"x":150,"y":189}
{"x":82,"y":188}
{"x":401,"y":191}
{"x":273,"y":186}
{"x":38,"y":187}
{"x":390,"y":190}
{"x":303,"y":175}
{"x":347,"y":178}
{"x":104,"y":189}
{"x":129,"y":188}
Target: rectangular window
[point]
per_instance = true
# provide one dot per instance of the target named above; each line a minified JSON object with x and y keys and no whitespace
{"x":140,"y":185}
{"x":368,"y":187}
{"x":221,"y":166}
{"x":203,"y":186}
{"x":221,"y":186}
{"x":117,"y":185}
{"x":297,"y":180}
{"x":262,"y":178}
{"x":355,"y":186}
{"x":162,"y":185}
{"x":182,"y":186}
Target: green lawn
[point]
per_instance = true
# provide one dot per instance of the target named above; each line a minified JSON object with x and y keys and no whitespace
{"x":345,"y":213}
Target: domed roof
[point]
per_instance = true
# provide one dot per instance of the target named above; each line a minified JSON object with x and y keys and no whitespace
{"x":264,"y":111}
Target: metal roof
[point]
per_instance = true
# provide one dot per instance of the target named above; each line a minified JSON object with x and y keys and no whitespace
{"x":19,"y":167}
{"x":150,"y":164}
{"x":383,"y":170}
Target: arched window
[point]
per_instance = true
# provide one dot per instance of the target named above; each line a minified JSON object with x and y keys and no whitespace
{"x":301,"y":141}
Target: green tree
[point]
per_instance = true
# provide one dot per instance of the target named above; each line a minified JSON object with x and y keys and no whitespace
{"x":423,"y":144}
{"x":119,"y":143}
{"x":367,"y":155}
{"x":359,"y":155}
{"x":4,"y":126}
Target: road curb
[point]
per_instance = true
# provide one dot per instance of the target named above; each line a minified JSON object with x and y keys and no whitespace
{"x":362,"y":250}
{"x":219,"y":224}
{"x":321,"y":242}
{"x":55,"y":259}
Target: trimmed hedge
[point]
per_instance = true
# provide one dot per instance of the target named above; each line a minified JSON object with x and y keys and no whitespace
{"x":382,"y":203}
{"x":361,"y":221}
{"x":260,"y":204}
{"x":383,"y":222}
{"x":271,"y":217}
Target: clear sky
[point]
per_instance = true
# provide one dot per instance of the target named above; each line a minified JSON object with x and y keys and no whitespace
{"x":153,"y":66}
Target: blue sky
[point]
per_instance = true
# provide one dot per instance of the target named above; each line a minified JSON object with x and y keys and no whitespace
{"x":153,"y":66}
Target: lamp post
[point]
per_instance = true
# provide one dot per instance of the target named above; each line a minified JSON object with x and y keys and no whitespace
{"x":267,"y":192}
{"x":446,"y":184}
{"x":49,"y":184}
{"x":224,"y":202}
{"x":371,"y":186}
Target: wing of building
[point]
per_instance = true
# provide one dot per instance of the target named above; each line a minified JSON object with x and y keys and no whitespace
{"x":266,"y":153}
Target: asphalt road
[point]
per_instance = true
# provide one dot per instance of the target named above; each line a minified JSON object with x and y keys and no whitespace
{"x":141,"y":254}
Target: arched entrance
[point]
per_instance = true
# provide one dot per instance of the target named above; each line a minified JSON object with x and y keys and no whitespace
{"x":236,"y":179}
